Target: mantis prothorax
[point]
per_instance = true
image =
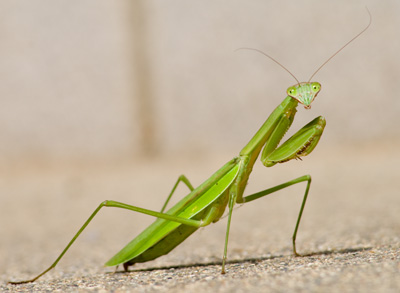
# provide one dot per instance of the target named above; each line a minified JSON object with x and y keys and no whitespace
{"x":206,"y":203}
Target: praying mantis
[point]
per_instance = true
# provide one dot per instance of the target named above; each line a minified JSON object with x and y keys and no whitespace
{"x":206,"y":203}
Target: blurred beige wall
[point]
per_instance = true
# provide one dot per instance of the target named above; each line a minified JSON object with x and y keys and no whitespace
{"x":116,"y":78}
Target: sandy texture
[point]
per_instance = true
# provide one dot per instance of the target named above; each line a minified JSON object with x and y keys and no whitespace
{"x":350,"y":227}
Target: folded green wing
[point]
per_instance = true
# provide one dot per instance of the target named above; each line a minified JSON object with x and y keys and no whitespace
{"x":190,"y":206}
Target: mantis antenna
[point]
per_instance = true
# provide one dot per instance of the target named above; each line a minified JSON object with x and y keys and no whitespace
{"x":345,"y":45}
{"x":265,"y":54}
{"x":323,"y":64}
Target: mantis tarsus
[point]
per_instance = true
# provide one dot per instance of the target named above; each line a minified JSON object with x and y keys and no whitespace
{"x":206,"y":203}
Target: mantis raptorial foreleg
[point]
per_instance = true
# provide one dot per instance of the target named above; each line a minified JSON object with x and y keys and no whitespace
{"x":300,"y":144}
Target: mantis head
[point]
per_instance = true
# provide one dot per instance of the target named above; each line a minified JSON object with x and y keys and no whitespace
{"x":304,"y":92}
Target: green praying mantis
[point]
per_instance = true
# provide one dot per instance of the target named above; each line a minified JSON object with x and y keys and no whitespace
{"x":206,"y":204}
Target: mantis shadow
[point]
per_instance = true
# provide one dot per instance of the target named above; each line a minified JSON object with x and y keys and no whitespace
{"x":246,"y":260}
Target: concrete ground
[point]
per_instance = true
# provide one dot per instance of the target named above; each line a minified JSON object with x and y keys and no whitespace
{"x":350,"y":230}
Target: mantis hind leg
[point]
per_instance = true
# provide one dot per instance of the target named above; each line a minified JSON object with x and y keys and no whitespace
{"x":183,"y":179}
{"x":115,"y":204}
{"x":279,"y":187}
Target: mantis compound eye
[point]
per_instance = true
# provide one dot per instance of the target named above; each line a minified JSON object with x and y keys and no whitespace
{"x":315,"y":87}
{"x":292,"y":91}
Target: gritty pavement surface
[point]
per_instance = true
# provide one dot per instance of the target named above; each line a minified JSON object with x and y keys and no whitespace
{"x":350,"y":232}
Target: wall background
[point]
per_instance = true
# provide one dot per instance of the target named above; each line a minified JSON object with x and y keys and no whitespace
{"x":100,"y":80}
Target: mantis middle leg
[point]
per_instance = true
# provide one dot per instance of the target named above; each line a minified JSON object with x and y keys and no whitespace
{"x":183,"y":179}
